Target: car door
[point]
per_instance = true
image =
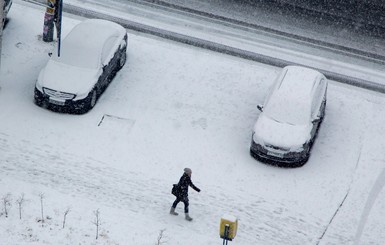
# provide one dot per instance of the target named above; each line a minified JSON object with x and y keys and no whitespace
{"x":316,"y":109}
{"x":323,"y":95}
{"x":109,"y":60}
{"x":115,"y":61}
{"x":102,"y":79}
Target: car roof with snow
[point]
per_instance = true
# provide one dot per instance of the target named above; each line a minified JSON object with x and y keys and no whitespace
{"x":298,"y":80}
{"x":291,"y":101}
{"x":84,"y":43}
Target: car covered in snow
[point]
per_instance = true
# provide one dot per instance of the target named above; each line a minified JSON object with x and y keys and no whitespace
{"x":290,"y":117}
{"x":91,"y":55}
{"x":6,"y":8}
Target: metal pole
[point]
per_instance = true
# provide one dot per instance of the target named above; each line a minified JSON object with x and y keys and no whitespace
{"x":226,"y":234}
{"x":58,"y":23}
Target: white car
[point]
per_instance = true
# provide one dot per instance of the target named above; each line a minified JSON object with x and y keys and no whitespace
{"x":290,"y":117}
{"x":91,"y":55}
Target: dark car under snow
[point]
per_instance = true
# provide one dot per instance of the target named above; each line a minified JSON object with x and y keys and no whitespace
{"x":91,"y":55}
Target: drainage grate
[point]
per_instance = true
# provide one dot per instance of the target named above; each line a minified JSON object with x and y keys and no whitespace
{"x":116,"y":124}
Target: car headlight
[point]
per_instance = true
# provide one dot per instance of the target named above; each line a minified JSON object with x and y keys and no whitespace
{"x":299,"y":151}
{"x":298,"y":148}
{"x":38,"y":86}
{"x":39,"y":82}
{"x":256,"y":139}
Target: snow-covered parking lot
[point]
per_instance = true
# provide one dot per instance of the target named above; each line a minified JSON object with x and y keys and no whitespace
{"x":174,"y":106}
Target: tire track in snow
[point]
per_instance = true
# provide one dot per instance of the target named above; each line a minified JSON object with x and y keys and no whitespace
{"x":79,"y":175}
{"x":343,"y":200}
{"x":43,"y":165}
{"x":375,"y":191}
{"x":331,"y":231}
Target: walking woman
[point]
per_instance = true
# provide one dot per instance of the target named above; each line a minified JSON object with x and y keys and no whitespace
{"x":181,"y":193}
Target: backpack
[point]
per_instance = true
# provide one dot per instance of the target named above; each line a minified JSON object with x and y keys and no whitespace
{"x":174,"y":190}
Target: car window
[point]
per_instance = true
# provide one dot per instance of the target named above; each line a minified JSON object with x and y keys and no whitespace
{"x":273,"y":88}
{"x":108,"y":49}
{"x":316,"y":102}
{"x":269,"y":94}
{"x":319,"y":95}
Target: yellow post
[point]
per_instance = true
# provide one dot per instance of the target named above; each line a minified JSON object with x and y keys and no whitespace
{"x":228,"y":227}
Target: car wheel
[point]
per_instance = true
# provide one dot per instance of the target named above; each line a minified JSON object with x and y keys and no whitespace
{"x":323,"y":110}
{"x":94,"y":97}
{"x":90,"y":101}
{"x":38,"y":102}
{"x":122,"y":58}
{"x":301,"y":163}
{"x":38,"y":99}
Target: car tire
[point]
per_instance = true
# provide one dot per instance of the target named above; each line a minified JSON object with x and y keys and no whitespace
{"x":93,"y":99}
{"x":90,"y":101}
{"x":38,"y":99}
{"x":38,"y":102}
{"x":122,"y":58}
{"x":301,"y":163}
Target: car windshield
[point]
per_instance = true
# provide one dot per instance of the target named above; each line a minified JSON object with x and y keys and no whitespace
{"x":77,"y":56}
{"x":77,"y":51}
{"x":288,"y":109}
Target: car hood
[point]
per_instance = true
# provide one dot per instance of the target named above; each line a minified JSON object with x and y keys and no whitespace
{"x":283,"y":135}
{"x":67,"y":78}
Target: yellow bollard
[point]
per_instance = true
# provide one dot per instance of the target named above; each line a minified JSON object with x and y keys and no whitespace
{"x":228,"y":227}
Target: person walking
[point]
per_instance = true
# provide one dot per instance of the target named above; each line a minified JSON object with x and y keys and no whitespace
{"x":181,"y":193}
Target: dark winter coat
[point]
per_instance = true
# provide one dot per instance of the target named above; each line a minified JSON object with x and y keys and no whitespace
{"x":184,"y":183}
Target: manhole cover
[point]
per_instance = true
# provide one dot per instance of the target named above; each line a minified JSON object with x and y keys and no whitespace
{"x":116,"y":124}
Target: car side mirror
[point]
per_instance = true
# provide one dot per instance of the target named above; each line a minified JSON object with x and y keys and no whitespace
{"x":50,"y":54}
{"x":316,"y":120}
{"x":260,"y":107}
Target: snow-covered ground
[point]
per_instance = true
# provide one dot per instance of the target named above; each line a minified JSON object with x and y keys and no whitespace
{"x":174,"y":106}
